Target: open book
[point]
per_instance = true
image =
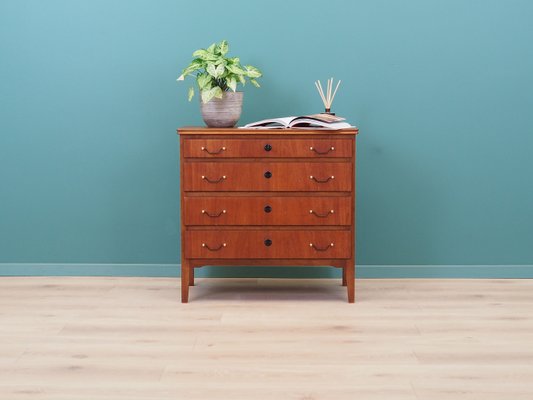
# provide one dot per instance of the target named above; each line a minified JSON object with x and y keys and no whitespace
{"x":324,"y":121}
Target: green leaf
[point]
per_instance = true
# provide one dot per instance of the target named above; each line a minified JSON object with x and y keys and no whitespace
{"x":211,"y":49}
{"x":207,"y":95}
{"x":223,"y":47}
{"x":232,"y":83}
{"x":235,"y":69}
{"x":252,"y":71}
{"x":218,"y":92}
{"x":204,"y":55}
{"x":211,"y":70}
{"x":215,"y":72}
{"x":204,"y":81}
{"x":193,"y":66}
{"x":220,"y":70}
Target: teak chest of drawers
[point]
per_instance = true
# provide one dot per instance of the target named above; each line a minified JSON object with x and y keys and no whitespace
{"x":283,"y":197}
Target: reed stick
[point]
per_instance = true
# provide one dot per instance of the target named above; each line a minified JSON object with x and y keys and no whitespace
{"x":329,"y":92}
{"x":329,"y":95}
{"x":320,"y":92}
{"x":335,"y":92}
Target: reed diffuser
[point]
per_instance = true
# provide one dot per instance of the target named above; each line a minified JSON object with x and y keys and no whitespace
{"x":327,"y":98}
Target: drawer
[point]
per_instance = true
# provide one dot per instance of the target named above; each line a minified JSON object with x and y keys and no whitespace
{"x":227,"y":148}
{"x":267,"y":210}
{"x":267,"y":244}
{"x":265,"y":176}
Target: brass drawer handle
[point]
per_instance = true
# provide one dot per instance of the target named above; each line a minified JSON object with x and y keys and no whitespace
{"x":321,"y":248}
{"x":322,"y":152}
{"x":321,"y":215}
{"x":214,"y":215}
{"x":214,"y":152}
{"x":205,"y":178}
{"x":317,"y":180}
{"x":213,"y":248}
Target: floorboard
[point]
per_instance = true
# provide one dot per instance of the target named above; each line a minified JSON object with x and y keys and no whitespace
{"x":131,"y":338}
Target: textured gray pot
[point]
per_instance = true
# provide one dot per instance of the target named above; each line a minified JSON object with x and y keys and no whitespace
{"x":224,"y":112}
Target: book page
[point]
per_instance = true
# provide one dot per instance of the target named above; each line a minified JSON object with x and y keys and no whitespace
{"x":328,"y":118}
{"x":312,"y":123}
{"x":284,"y":122}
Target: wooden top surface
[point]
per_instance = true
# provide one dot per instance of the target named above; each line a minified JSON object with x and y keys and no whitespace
{"x":203,"y":130}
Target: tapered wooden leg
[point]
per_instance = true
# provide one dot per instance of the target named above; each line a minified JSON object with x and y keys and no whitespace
{"x":185,"y":273}
{"x":191,"y":276}
{"x":344,"y":276}
{"x":350,"y":280}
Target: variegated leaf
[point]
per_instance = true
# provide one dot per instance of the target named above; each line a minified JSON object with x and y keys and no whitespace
{"x":211,"y":49}
{"x":223,"y":47}
{"x":218,"y":92}
{"x":207,"y":95}
{"x":232,"y":83}
{"x":219,"y":70}
{"x":193,"y":66}
{"x":252,"y":71}
{"x":204,"y":55}
{"x":234,"y":68}
{"x":212,"y":70}
{"x":204,"y":81}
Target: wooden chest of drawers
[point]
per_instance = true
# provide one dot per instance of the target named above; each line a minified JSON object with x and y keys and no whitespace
{"x":267,"y":197}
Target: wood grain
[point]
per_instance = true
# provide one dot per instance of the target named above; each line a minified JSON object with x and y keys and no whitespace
{"x":268,"y":147}
{"x":284,"y":176}
{"x":268,"y":244}
{"x":267,"y":210}
{"x":297,"y":188}
{"x":254,"y":133}
{"x":130,"y":338}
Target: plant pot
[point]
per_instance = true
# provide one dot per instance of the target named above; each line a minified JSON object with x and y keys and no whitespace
{"x":224,"y":112}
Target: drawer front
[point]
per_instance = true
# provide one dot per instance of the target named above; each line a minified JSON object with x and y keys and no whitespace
{"x":267,"y":244}
{"x":265,"y":210}
{"x":264,"y":176}
{"x":227,"y":148}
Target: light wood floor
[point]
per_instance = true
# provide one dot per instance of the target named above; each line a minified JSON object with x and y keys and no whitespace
{"x":131,"y":338}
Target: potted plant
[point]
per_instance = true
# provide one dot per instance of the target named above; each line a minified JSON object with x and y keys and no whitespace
{"x":217,"y":77}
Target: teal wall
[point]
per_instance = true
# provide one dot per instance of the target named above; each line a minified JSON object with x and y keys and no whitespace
{"x":442,"y":92}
